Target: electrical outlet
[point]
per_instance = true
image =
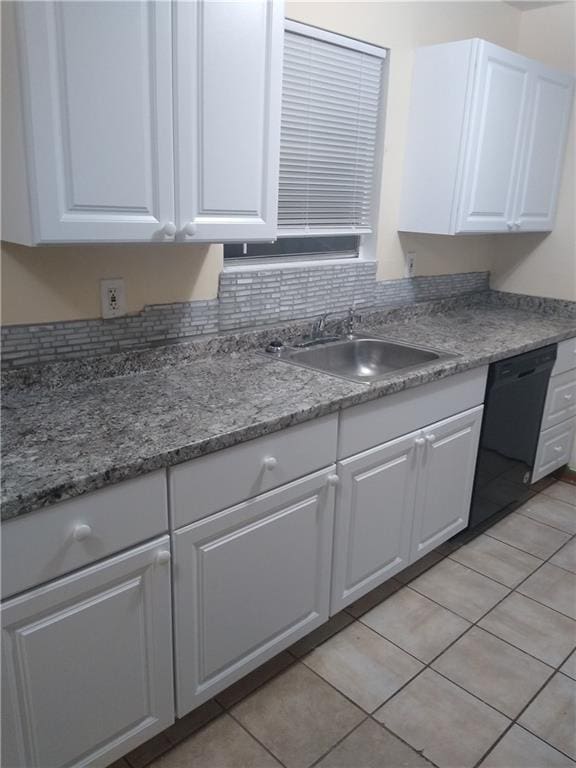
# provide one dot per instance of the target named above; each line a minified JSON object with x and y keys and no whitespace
{"x":112,"y":297}
{"x":410,"y":264}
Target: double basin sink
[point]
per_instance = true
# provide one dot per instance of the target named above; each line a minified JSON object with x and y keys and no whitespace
{"x":360,"y":357}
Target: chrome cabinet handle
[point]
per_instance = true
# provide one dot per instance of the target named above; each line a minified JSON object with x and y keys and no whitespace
{"x":558,"y":448}
{"x":419,"y":441}
{"x":430,"y":438}
{"x":333,"y":480}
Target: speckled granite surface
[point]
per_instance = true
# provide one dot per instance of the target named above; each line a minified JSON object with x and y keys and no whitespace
{"x":62,"y":439}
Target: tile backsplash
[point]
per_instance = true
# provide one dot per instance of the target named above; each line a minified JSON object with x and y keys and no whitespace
{"x":247,"y":298}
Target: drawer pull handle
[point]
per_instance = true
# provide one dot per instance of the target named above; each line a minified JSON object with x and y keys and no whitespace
{"x":419,"y":441}
{"x":567,"y":397}
{"x":558,"y":448}
{"x":81,"y":532}
{"x":332,"y":480}
{"x":430,"y":438}
{"x":163,"y":557}
{"x":270,"y":462}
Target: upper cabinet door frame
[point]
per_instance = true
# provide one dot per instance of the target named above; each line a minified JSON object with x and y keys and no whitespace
{"x":543,"y":153}
{"x":75,"y":98}
{"x":227,"y":141}
{"x":500,"y":100}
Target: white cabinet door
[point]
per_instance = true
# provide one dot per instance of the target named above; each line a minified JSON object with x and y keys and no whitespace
{"x":496,"y":122}
{"x":446,"y":478}
{"x":99,"y":112}
{"x":250,"y":581}
{"x":543,"y":153}
{"x":87,"y":663}
{"x":374,"y":511}
{"x":228,"y":62}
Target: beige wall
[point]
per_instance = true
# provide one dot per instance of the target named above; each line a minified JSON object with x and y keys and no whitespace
{"x":63,"y":283}
{"x":545,"y":264}
{"x":44,"y":284}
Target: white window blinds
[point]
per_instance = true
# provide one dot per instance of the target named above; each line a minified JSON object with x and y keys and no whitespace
{"x":329,"y":135}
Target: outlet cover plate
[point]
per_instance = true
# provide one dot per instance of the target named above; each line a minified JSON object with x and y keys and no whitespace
{"x":112,"y":297}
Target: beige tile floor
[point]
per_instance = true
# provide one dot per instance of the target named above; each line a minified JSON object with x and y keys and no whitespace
{"x":466,"y":659}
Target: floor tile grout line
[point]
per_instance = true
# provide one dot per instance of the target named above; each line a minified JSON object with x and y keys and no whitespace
{"x":337,"y":744}
{"x":252,"y":736}
{"x":474,"y":624}
{"x":542,"y":522}
{"x":525,"y":550}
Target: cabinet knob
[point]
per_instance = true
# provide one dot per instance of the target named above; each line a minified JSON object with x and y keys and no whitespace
{"x":269,"y":462}
{"x":517,"y":225}
{"x":558,"y":448}
{"x":189,"y":229}
{"x":567,"y":397}
{"x":430,"y":438}
{"x":510,"y":225}
{"x":169,"y":229}
{"x":332,"y":479}
{"x":81,"y":531}
{"x":163,"y":557}
{"x":419,"y":441}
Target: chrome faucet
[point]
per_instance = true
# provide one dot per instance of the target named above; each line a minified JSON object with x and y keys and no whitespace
{"x":351,"y":318}
{"x":319,"y":326}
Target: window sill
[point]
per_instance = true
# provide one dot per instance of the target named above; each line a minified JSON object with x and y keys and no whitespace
{"x":273,"y":264}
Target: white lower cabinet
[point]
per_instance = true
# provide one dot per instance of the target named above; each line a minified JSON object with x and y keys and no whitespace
{"x":446,"y":478}
{"x":400,"y":500}
{"x":373,"y":518}
{"x":249,"y":581}
{"x":87,"y":663}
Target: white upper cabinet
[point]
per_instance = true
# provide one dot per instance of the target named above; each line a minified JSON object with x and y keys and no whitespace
{"x":486,"y":141}
{"x":141,"y":121}
{"x":227,"y":106}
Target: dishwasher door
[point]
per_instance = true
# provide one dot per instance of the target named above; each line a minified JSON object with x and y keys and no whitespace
{"x":514,"y":404}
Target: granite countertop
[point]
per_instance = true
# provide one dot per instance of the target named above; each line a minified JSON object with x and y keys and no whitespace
{"x":60,"y":442}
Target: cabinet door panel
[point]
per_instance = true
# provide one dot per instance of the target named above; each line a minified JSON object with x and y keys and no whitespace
{"x":374,"y":510}
{"x":554,"y":448}
{"x":228,"y":75}
{"x":446,"y":480}
{"x":493,"y":147}
{"x":250,"y":581}
{"x":547,"y":128}
{"x":100,"y":109}
{"x":87,"y":663}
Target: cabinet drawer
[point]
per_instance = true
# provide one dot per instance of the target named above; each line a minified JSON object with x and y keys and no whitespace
{"x":566,"y":357}
{"x":374,"y":423}
{"x":53,"y":541}
{"x":554,"y":448}
{"x":560,"y":400}
{"x":209,"y":484}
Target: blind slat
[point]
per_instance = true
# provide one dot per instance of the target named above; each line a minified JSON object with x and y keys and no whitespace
{"x":330,"y":121}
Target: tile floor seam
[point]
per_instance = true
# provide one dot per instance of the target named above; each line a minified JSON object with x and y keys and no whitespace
{"x":252,"y":736}
{"x":491,"y":577}
{"x":542,"y":522}
{"x":337,"y":744}
{"x":418,"y":752}
{"x":486,"y":533}
{"x":566,"y":616}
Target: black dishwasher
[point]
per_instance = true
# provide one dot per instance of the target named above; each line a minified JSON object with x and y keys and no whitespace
{"x":515,"y":395}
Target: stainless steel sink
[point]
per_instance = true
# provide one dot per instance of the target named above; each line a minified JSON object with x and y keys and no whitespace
{"x":360,"y":357}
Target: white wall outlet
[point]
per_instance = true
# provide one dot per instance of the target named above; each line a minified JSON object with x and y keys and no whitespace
{"x":112,"y":297}
{"x":410,"y":264}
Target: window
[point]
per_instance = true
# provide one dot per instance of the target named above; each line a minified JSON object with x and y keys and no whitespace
{"x":330,"y":134}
